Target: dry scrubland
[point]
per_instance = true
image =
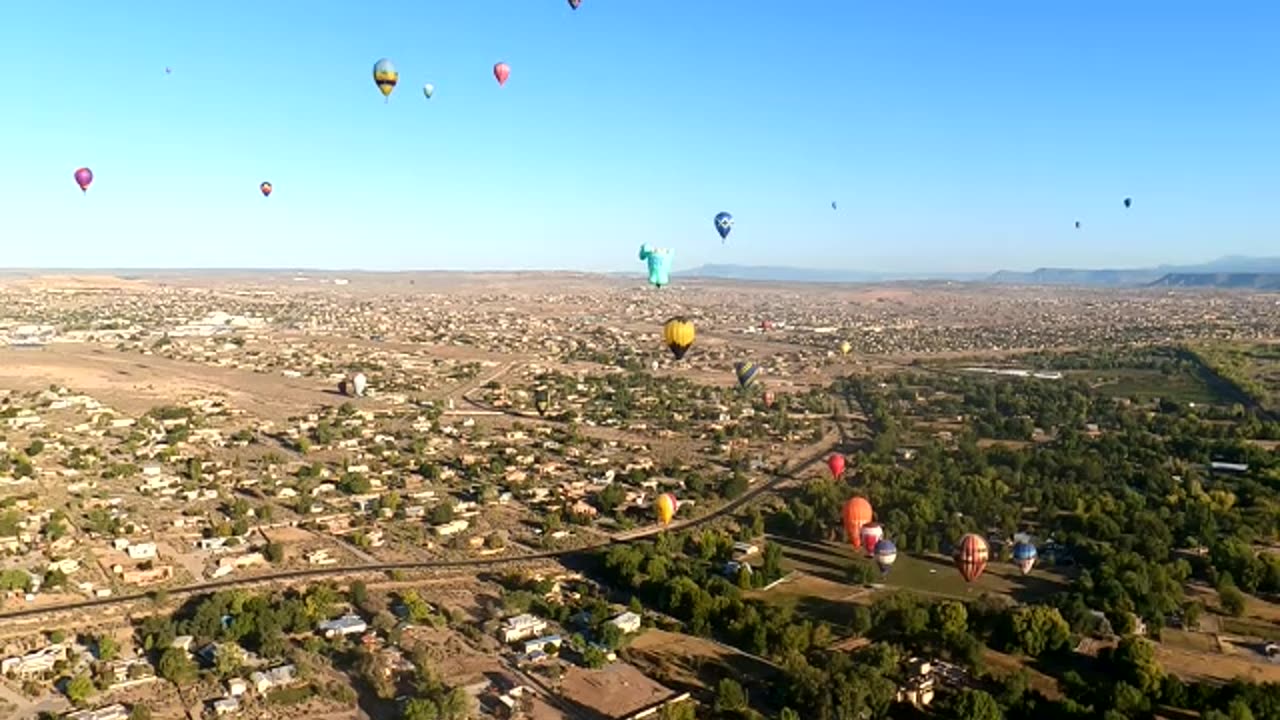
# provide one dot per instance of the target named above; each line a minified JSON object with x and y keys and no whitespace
{"x":167,"y":430}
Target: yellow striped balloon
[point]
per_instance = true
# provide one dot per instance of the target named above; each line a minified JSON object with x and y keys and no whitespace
{"x":386,"y":77}
{"x":678,"y":335}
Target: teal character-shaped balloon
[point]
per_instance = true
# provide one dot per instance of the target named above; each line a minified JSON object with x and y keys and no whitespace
{"x":659,"y":260}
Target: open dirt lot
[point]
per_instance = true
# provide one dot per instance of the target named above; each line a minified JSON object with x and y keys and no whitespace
{"x":135,"y":383}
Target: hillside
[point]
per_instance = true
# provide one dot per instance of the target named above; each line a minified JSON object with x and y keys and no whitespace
{"x":1110,"y":277}
{"x":1239,"y":281}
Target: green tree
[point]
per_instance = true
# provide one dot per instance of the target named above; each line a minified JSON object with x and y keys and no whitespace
{"x":975,"y":705}
{"x":140,"y":712}
{"x":176,"y":667}
{"x":730,"y":696}
{"x":950,"y":619}
{"x":680,"y":711}
{"x":108,"y":648}
{"x":1232,"y":600}
{"x":79,"y":689}
{"x":1135,"y":663}
{"x":1037,"y":629}
{"x":420,"y":709}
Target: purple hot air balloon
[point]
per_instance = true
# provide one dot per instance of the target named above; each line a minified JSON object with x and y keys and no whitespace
{"x":84,"y":178}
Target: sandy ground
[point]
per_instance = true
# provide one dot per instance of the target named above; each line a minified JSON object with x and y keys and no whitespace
{"x":134,"y":383}
{"x":615,"y":691}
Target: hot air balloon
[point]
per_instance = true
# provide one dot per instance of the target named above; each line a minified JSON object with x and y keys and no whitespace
{"x":724,"y":223}
{"x":845,"y":347}
{"x":857,"y":512}
{"x":659,"y":260}
{"x":870,"y":534}
{"x":836,"y":464}
{"x":746,"y":372}
{"x":1077,"y":224}
{"x":574,"y":4}
{"x":1128,"y":202}
{"x":678,"y":334}
{"x":971,"y":556}
{"x":386,"y":77}
{"x":84,"y":178}
{"x":1024,"y":556}
{"x":833,"y":204}
{"x":428,"y":90}
{"x":886,"y":554}
{"x":769,"y":398}
{"x":358,"y":383}
{"x":266,"y":189}
{"x":502,"y":71}
{"x":541,"y":401}
{"x":766,"y":325}
{"x":167,"y":71}
{"x":666,"y":506}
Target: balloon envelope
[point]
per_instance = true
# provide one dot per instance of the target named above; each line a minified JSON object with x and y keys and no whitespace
{"x":541,"y":401}
{"x":724,"y":223}
{"x":845,"y":347}
{"x":502,"y":71}
{"x":574,"y":4}
{"x":836,"y":464}
{"x":886,"y":554}
{"x":266,"y":189}
{"x":385,"y":76}
{"x":769,"y":398}
{"x":870,"y":534}
{"x":1024,"y":556}
{"x":84,"y":178}
{"x":856,"y":513}
{"x":971,"y":556}
{"x":746,"y":372}
{"x":678,"y":334}
{"x":428,"y":90}
{"x":666,"y":505}
{"x":659,"y":261}
{"x":1128,"y":202}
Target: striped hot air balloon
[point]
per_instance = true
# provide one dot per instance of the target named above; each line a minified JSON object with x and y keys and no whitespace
{"x":971,"y":556}
{"x":385,"y":76}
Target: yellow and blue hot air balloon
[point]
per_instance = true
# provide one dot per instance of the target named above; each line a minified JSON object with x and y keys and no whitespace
{"x":678,"y":334}
{"x":386,"y":77}
{"x":746,"y":372}
{"x":659,"y":260}
{"x":666,"y":505}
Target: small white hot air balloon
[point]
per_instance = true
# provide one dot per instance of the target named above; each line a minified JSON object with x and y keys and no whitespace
{"x":359,"y":382}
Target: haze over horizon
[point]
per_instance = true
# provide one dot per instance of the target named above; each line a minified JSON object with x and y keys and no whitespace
{"x":955,"y":137}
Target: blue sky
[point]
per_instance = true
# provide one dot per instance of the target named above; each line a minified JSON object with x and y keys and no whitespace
{"x":955,"y":136}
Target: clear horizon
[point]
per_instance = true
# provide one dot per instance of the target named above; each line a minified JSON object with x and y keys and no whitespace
{"x":954,"y":138}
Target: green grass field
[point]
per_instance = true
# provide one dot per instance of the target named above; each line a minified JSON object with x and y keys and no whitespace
{"x":1141,"y":384}
{"x":932,"y":575}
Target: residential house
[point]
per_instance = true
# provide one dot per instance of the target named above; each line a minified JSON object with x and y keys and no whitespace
{"x":627,"y":622}
{"x":521,"y":627}
{"x":349,"y":624}
{"x":108,"y":712}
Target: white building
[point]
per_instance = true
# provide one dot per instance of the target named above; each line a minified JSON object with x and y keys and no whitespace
{"x":627,"y":622}
{"x":521,"y":627}
{"x":349,"y":624}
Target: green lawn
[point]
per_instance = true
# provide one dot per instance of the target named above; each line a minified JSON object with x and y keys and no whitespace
{"x":932,"y":575}
{"x":1142,"y":384}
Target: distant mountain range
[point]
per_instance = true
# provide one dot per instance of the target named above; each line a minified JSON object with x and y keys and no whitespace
{"x":1229,"y":269}
{"x":769,"y":273}
{"x":1233,"y":271}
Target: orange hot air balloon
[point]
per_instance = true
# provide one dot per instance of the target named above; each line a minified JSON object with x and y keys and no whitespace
{"x":666,"y":506}
{"x":836,"y":463}
{"x":971,"y":556}
{"x":502,"y":71}
{"x":857,"y":512}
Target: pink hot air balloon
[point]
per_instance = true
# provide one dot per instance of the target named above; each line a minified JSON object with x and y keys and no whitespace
{"x":84,"y":178}
{"x":502,"y":71}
